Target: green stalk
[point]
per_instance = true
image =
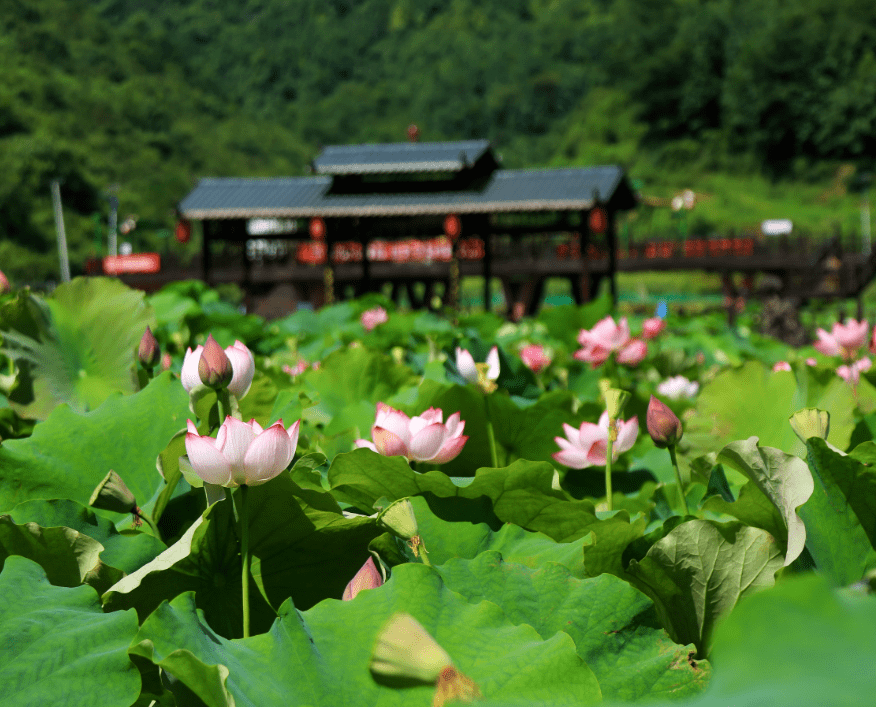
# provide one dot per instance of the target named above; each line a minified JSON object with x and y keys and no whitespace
{"x":244,"y":554}
{"x":671,"y":449}
{"x":151,"y":524}
{"x":494,"y":459}
{"x":608,"y":453}
{"x":230,"y":498}
{"x":223,"y":404}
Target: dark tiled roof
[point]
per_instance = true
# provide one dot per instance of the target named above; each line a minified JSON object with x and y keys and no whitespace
{"x":400,"y":157}
{"x":506,"y":190}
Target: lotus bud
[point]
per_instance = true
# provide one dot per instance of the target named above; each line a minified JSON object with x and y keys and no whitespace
{"x":149,"y":353}
{"x":615,"y":401}
{"x":112,"y":494}
{"x":398,"y":517}
{"x":810,"y":422}
{"x":663,"y":425}
{"x":214,"y":368}
{"x":369,"y":577}
{"x":4,"y":284}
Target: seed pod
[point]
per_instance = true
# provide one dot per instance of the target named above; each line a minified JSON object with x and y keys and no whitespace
{"x":405,"y":650}
{"x":810,"y":422}
{"x":398,"y":517}
{"x":112,"y":494}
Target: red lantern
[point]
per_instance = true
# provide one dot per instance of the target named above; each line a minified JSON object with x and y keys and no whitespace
{"x":317,"y":228}
{"x":598,"y":220}
{"x":452,"y":226}
{"x":183,"y":230}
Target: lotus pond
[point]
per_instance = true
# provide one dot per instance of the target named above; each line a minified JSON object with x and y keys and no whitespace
{"x":368,"y":506}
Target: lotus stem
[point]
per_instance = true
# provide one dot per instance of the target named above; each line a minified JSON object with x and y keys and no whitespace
{"x":244,"y":555}
{"x":671,"y":449}
{"x":609,"y":449}
{"x":145,"y":516}
{"x":494,"y":459}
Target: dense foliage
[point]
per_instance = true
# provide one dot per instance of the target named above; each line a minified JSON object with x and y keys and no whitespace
{"x":129,"y":579}
{"x":149,"y":95}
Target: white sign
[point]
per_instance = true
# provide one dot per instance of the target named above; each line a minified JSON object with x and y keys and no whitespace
{"x":776,"y":226}
{"x":271,"y":226}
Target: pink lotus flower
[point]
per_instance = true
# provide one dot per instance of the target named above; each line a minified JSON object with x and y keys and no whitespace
{"x":535,"y":357}
{"x":243,"y":453}
{"x":606,"y":338}
{"x":481,"y":374}
{"x":242,"y":365}
{"x":633,"y":353}
{"x":844,"y":339}
{"x":781,"y":366}
{"x":4,"y":284}
{"x":652,"y":327}
{"x":588,"y":446}
{"x":372,"y":317}
{"x":297,"y":369}
{"x":852,"y":374}
{"x":368,"y":577}
{"x":423,"y":438}
{"x":811,"y":361}
{"x":678,"y":387}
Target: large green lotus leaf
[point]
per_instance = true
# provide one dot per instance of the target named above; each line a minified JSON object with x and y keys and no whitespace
{"x":301,"y":545}
{"x":357,"y":379}
{"x":614,"y":626}
{"x":605,"y":543}
{"x":521,"y":493}
{"x":447,"y":540}
{"x":799,"y":643}
{"x":125,"y":551}
{"x":68,"y":557}
{"x":841,"y":514}
{"x":563,"y":322}
{"x":529,"y":433}
{"x":782,"y":478}
{"x":86,"y":349}
{"x":321,"y":656}
{"x":58,"y":647}
{"x":754,"y":401}
{"x":70,"y":453}
{"x":698,"y":572}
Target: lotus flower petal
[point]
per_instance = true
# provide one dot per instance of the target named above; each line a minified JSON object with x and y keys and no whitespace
{"x":388,"y":443}
{"x":189,"y":376}
{"x":243,"y":365}
{"x":427,"y":442}
{"x":207,"y":462}
{"x":493,"y":364}
{"x":466,"y":366}
{"x":450,"y":449}
{"x":267,"y":455}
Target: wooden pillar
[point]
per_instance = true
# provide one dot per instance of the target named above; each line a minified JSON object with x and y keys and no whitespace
{"x":328,"y":273}
{"x":247,"y":277}
{"x":611,"y":239}
{"x":207,"y":230}
{"x":486,"y":235}
{"x":584,"y":284}
{"x":365,"y":285}
{"x":453,"y":289}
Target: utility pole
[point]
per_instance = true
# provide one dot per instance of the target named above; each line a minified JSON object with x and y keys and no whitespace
{"x":59,"y":229}
{"x":113,"y":223}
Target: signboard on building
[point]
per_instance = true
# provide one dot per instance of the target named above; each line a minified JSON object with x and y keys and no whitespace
{"x":133,"y":263}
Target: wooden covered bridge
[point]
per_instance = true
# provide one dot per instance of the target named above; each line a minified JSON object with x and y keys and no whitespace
{"x":416,"y":217}
{"x":408,"y":213}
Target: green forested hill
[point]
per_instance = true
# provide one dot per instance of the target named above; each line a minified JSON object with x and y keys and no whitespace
{"x":151,"y":94}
